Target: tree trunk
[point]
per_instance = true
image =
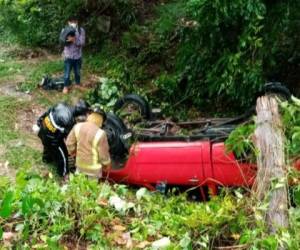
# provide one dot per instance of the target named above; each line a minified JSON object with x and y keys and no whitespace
{"x":271,"y":180}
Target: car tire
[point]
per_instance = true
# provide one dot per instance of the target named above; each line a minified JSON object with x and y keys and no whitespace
{"x":276,"y":88}
{"x":115,"y":129}
{"x":137,"y":100}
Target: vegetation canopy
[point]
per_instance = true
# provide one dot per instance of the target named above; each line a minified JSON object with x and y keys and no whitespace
{"x":211,"y":52}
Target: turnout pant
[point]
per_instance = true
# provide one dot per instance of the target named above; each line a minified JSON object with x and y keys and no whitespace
{"x":55,"y":152}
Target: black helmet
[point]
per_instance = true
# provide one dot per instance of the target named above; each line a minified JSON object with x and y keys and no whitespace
{"x":81,"y":108}
{"x":96,"y":108}
{"x":62,"y":116}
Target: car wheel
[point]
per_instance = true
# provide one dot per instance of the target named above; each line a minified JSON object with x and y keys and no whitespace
{"x":132,"y":108}
{"x":115,"y":129}
{"x":276,"y":88}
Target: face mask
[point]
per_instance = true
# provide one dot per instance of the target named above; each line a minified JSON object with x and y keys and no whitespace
{"x":74,"y":25}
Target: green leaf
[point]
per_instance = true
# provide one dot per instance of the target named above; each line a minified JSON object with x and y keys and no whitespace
{"x":1,"y":233}
{"x":6,"y":205}
{"x":296,"y":196}
{"x":186,"y":241}
{"x":270,"y":243}
{"x":25,"y":232}
{"x":28,"y":203}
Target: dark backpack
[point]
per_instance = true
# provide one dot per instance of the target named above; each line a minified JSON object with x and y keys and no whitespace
{"x":49,"y":83}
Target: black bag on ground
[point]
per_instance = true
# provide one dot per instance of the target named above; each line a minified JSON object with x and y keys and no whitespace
{"x":49,"y":83}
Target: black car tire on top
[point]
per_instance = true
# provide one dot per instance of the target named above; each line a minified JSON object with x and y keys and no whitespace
{"x":276,"y":88}
{"x":115,"y":129}
{"x":137,"y":100}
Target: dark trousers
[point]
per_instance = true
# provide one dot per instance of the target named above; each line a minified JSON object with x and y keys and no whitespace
{"x":70,"y":64}
{"x":55,"y":151}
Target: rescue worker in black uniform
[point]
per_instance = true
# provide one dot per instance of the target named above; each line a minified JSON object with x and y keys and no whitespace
{"x":55,"y":125}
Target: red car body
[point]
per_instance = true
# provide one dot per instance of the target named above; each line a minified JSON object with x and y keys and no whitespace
{"x":199,"y":163}
{"x":181,"y":163}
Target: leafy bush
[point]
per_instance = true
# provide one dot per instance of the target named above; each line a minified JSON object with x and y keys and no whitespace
{"x":106,"y":93}
{"x":220,"y":49}
{"x":291,"y":120}
{"x":42,"y":214}
{"x":214,"y":53}
{"x":39,"y":22}
{"x":240,"y":142}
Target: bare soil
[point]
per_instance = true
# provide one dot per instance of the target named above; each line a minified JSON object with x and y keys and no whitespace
{"x":11,"y":89}
{"x":28,"y":118}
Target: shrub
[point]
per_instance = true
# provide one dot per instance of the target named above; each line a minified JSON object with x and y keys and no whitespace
{"x":38,"y":23}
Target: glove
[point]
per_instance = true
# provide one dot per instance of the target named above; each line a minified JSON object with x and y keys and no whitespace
{"x":36,"y":129}
{"x":71,"y":161}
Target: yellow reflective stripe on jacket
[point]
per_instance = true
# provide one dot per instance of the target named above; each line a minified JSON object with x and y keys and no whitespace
{"x":77,"y":130}
{"x":95,"y":146}
{"x":85,"y":166}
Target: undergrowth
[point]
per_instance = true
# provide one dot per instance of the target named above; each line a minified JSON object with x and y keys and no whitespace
{"x":42,"y":214}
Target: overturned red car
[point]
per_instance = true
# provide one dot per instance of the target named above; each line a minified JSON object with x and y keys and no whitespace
{"x":159,"y":154}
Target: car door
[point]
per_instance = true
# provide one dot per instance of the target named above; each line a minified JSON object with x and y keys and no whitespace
{"x":178,"y":163}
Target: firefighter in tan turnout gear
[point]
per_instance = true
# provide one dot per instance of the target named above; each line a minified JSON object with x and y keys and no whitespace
{"x":87,"y":141}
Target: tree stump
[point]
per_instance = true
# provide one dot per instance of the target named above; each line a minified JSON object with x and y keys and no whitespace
{"x":271,"y":180}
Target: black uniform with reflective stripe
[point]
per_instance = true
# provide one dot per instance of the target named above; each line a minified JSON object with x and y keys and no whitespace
{"x":55,"y":124}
